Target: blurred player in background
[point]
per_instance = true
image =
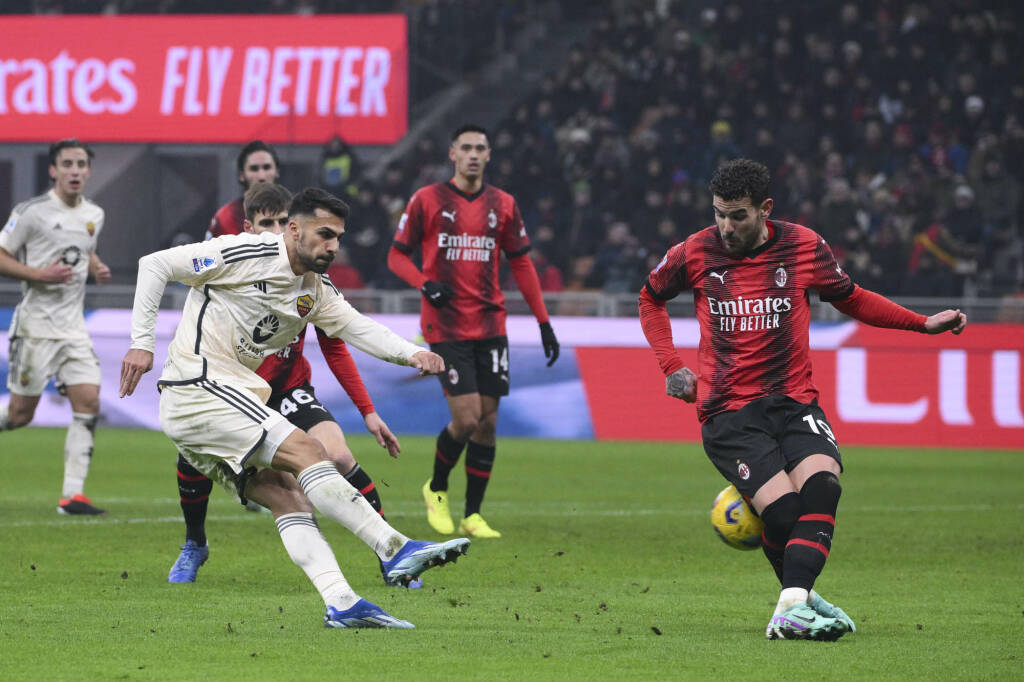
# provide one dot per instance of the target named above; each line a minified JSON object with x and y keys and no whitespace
{"x":251,"y":295}
{"x":762,"y":426}
{"x":49,"y":242}
{"x":288,"y":373}
{"x":459,"y":226}
{"x":257,"y":162}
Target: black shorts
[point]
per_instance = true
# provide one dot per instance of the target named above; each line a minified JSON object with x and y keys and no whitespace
{"x":764,"y":437}
{"x":479,"y":366}
{"x":300,"y":406}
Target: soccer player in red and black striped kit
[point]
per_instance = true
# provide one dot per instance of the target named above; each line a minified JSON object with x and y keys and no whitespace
{"x":459,"y":227}
{"x":257,"y":162}
{"x":288,"y":372}
{"x":761,"y":423}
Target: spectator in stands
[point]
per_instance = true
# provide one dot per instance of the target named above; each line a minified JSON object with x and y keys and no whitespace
{"x":339,"y":168}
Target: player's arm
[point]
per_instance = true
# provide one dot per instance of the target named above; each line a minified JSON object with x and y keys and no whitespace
{"x":339,"y":359}
{"x":98,"y":270}
{"x":191,"y":264}
{"x":12,"y":238}
{"x":340,"y":320}
{"x":408,"y":235}
{"x":878,"y":311}
{"x":526,"y":278}
{"x":664,"y":283}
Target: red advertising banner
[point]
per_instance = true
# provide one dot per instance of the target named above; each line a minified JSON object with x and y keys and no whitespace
{"x":279,"y":78}
{"x":878,"y":387}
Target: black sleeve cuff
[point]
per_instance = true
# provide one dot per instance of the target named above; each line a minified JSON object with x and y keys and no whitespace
{"x":656,"y":294}
{"x":404,"y":248}
{"x":516,"y":254}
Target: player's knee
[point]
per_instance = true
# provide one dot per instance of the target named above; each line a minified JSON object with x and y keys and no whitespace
{"x":821,"y":491}
{"x":464,"y":427}
{"x":780,"y":516}
{"x":343,"y":458}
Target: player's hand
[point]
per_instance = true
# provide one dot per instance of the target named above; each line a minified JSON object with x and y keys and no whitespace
{"x":427,"y":362}
{"x":550,"y":343}
{"x":56,"y":272}
{"x":682,"y":384}
{"x":380,"y":431}
{"x":947,"y":320}
{"x":101,"y":272}
{"x":438,"y":293}
{"x":136,"y":363}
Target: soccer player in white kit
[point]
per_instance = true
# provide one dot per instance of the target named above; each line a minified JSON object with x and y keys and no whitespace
{"x":49,"y":242}
{"x":251,"y":294}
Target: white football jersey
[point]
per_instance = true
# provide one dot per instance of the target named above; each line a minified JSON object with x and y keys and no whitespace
{"x":245,"y":304}
{"x":39,"y":232}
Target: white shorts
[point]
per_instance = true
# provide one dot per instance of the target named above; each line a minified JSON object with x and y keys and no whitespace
{"x":224,"y":431}
{"x":33,"y":362}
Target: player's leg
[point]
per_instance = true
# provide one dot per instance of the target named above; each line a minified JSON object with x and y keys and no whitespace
{"x":459,"y":385}
{"x":27,"y":374}
{"x":194,"y":496}
{"x":78,"y":448}
{"x":19,"y":411}
{"x":490,"y":358}
{"x":403,"y":559}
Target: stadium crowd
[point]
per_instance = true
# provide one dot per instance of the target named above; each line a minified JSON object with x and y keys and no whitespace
{"x":891,"y":127}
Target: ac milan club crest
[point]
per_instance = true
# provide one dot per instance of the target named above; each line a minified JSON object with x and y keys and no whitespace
{"x":304,"y":305}
{"x":453,"y":376}
{"x":743,"y":470}
{"x":781,"y":277}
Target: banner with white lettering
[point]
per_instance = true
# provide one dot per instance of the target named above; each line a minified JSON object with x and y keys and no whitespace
{"x":280,"y":78}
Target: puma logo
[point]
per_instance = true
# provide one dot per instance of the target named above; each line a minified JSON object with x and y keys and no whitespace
{"x":721,"y":277}
{"x":449,"y":216}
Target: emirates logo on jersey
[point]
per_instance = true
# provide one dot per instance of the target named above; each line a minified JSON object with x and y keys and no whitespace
{"x":781,"y":277}
{"x":304,"y":304}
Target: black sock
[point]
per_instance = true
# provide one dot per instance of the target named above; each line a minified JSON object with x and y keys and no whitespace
{"x":446,"y":456}
{"x":362,"y":482}
{"x":479,"y":462}
{"x":194,"y":489}
{"x":779,"y":518}
{"x":811,"y":540}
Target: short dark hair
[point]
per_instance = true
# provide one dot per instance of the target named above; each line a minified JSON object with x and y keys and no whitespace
{"x":69,"y":143}
{"x":255,"y":146}
{"x":265,"y":197}
{"x":741,"y":178}
{"x":469,"y":128}
{"x":308,"y":200}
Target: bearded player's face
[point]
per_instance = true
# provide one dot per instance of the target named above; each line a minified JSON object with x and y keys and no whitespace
{"x":741,"y":224}
{"x":318,"y":239}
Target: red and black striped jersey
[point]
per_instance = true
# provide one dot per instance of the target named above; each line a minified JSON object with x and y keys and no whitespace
{"x":227,"y":220}
{"x":753,"y":311}
{"x":459,"y":236}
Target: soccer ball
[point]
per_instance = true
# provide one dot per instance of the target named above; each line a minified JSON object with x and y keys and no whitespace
{"x":734,"y":520}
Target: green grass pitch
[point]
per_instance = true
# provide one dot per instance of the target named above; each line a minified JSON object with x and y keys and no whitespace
{"x":608,"y":569}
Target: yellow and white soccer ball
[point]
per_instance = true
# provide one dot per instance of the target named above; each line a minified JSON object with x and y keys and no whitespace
{"x":734,"y":520}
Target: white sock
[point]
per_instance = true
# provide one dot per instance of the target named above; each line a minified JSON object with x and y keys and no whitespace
{"x":4,"y":423}
{"x":790,"y":597}
{"x":310,"y":552}
{"x":811,"y":595}
{"x":336,"y":499}
{"x":78,"y":453}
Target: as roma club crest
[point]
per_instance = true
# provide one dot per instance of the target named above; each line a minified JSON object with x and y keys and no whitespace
{"x":90,"y":227}
{"x":304,"y":305}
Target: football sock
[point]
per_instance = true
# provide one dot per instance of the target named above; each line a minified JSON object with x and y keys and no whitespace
{"x":361,"y":481}
{"x":194,"y":493}
{"x":779,"y":518}
{"x":5,"y":423}
{"x":811,"y":539}
{"x":479,"y":461}
{"x":336,"y":499}
{"x":309,"y":550}
{"x":446,"y":456}
{"x":78,"y":452}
